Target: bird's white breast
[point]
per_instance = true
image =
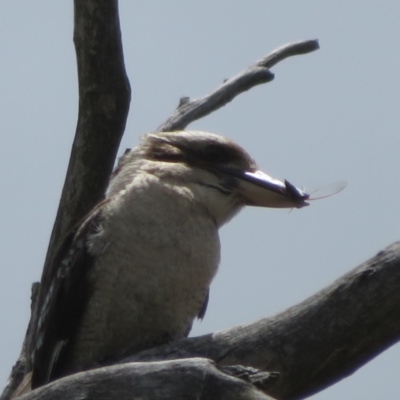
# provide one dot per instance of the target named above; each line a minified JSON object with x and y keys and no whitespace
{"x":155,"y":257}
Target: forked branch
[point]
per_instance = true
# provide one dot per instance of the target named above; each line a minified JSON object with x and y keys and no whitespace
{"x":258,"y":73}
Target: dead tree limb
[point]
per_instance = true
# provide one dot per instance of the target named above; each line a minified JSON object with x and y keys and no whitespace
{"x":104,"y":97}
{"x":196,"y":378}
{"x":258,"y":73}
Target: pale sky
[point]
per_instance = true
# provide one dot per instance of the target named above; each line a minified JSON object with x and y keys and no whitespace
{"x":330,"y":115}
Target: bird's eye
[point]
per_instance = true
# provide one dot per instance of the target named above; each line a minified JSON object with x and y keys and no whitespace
{"x":216,"y":154}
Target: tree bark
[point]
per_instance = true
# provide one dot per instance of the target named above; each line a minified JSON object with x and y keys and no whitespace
{"x":184,"y":379}
{"x":104,"y":97}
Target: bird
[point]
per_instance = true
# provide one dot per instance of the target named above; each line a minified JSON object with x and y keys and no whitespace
{"x":136,"y":271}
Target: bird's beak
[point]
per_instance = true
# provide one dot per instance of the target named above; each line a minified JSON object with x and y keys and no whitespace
{"x":260,"y":189}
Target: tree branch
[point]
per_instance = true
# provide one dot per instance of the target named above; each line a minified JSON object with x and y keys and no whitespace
{"x":191,"y":110}
{"x":317,"y":342}
{"x":184,"y":379}
{"x":104,"y":97}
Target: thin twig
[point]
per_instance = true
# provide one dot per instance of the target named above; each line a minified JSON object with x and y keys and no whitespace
{"x":257,"y":74}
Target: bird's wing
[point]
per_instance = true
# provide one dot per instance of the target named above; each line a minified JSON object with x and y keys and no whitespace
{"x":203,"y":308}
{"x":64,"y":303}
{"x":201,"y":314}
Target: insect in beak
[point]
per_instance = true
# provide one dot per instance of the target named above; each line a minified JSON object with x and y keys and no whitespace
{"x":260,"y":189}
{"x":328,"y":190}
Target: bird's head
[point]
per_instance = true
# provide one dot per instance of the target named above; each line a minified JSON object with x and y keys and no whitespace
{"x":221,"y":175}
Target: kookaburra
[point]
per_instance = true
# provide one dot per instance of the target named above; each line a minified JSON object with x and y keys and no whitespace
{"x":136,"y":271}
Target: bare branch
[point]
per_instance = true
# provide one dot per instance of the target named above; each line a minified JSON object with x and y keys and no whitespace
{"x":316,"y":343}
{"x":104,"y":96}
{"x":184,"y":379}
{"x":288,"y":50}
{"x":191,"y":110}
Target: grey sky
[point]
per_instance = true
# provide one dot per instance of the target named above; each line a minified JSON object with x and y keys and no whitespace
{"x":329,"y":115}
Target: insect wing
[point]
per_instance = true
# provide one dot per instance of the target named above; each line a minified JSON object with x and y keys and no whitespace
{"x":327,"y":191}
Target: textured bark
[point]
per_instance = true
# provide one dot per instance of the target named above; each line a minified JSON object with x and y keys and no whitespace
{"x":104,"y":97}
{"x":192,"y":379}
